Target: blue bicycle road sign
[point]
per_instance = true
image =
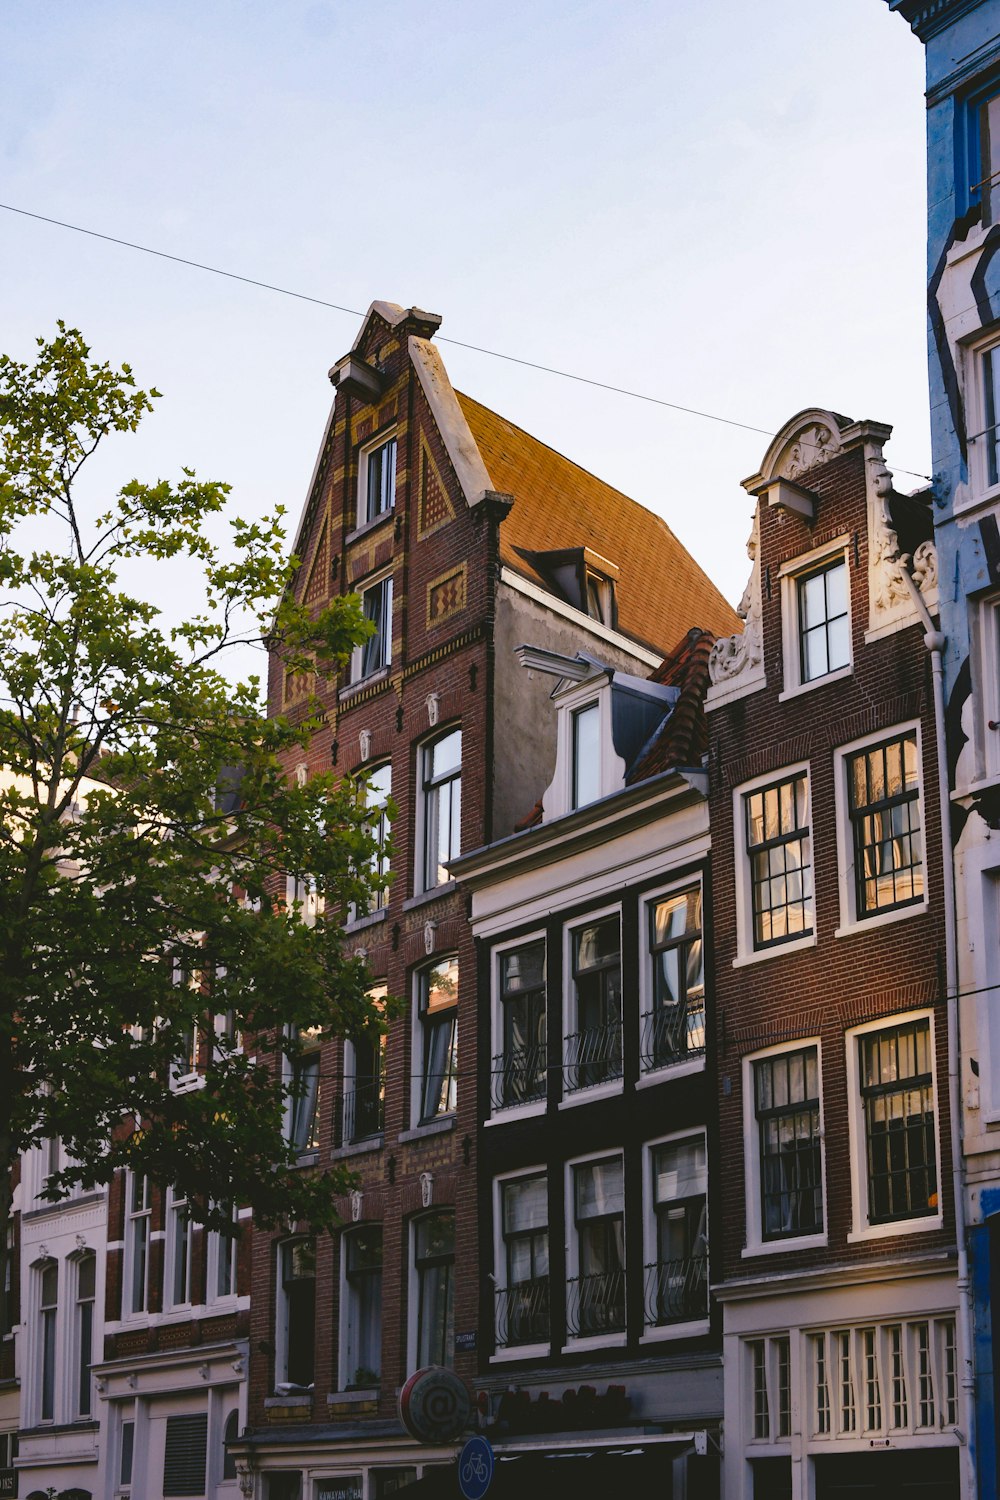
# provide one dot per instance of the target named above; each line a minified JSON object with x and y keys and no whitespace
{"x":475,"y":1468}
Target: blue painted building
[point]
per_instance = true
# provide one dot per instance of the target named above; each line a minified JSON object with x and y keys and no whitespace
{"x":962,"y":44}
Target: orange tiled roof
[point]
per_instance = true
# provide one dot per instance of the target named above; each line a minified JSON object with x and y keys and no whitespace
{"x":661,"y":590}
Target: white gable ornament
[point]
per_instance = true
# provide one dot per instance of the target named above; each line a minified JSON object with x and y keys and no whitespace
{"x":429,"y":930}
{"x":356,"y":1201}
{"x":742,"y":655}
{"x":365,"y":743}
{"x":433,"y":701}
{"x":426,"y":1189}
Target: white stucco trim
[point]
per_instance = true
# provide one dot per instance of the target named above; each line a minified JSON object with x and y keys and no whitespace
{"x":466,"y":459}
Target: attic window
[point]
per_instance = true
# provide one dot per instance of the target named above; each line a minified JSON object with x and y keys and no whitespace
{"x":376,"y":479}
{"x":600,"y":598}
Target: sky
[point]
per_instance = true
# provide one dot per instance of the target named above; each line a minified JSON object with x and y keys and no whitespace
{"x":721,"y":206}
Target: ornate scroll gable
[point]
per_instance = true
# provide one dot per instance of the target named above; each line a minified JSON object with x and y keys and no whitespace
{"x":889,"y":604}
{"x":736,"y":664}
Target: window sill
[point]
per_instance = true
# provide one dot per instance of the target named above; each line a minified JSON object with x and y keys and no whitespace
{"x":517,"y":1112}
{"x":692,"y":1330}
{"x":777,"y":951}
{"x":816,"y":682}
{"x":881,"y":919}
{"x":521,"y":1351}
{"x":429,"y":895}
{"x":358,"y":1148}
{"x":785,"y":1247}
{"x":432,"y":1127}
{"x":364,"y":528}
{"x":597,"y":1341}
{"x":306,"y":1159}
{"x":352,"y":1397}
{"x":187,"y":1083}
{"x":668,"y":1071}
{"x":589,"y":1096}
{"x":924,"y":1225}
{"x":371,"y":919}
{"x":300,"y":1396}
{"x":981,"y":784}
{"x":345,"y":693}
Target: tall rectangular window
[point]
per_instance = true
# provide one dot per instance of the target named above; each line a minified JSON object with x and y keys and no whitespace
{"x":884,"y":801}
{"x":677,"y":1280}
{"x":137,"y":1226}
{"x":897,"y":1092}
{"x":779,"y":849}
{"x":758,"y":1375}
{"x":586,"y":755}
{"x":86,"y":1290}
{"x":361,"y":1356}
{"x":821,"y":1386}
{"x":519,"y":1071}
{"x":302,"y":1106}
{"x":48,"y":1309}
{"x":522,"y":1313}
{"x":126,"y":1450}
{"x":595,"y":1046}
{"x":178,"y":1249}
{"x":377,"y":800}
{"x":437,"y":1016}
{"x":434,"y":1268}
{"x":925,"y":1375}
{"x":846,"y":1404}
{"x":379,"y":480}
{"x":897,"y":1377}
{"x":223,"y":1250}
{"x":364,"y":1083}
{"x":595,"y":1302}
{"x":441,"y":806}
{"x":296,"y":1330}
{"x":786,"y":1105}
{"x":824,"y":624}
{"x":873,"y":1389}
{"x":376,"y":652}
{"x":674,"y":1029}
{"x":783,"y":1383}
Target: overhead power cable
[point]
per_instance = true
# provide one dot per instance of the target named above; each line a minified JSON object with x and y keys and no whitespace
{"x":284,"y":291}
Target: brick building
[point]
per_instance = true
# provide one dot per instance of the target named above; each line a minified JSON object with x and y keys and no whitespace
{"x":464,"y":538}
{"x":600,"y":1346}
{"x":836,"y":1274}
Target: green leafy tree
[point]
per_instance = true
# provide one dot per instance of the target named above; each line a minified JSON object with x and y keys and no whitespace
{"x":148,"y":823}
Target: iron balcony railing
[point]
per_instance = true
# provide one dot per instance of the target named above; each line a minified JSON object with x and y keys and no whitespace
{"x":677,"y":1291}
{"x":673,"y":1033}
{"x":594,"y":1056}
{"x":519,"y":1076}
{"x":595,"y":1304}
{"x":362,"y":1111}
{"x":522,"y":1314}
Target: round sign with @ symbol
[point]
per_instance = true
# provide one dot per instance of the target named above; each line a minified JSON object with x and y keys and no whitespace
{"x":434,"y":1405}
{"x":475,"y":1468}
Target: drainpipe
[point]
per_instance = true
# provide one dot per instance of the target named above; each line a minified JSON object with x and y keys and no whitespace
{"x":935,"y":643}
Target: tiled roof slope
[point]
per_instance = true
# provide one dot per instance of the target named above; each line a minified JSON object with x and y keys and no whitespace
{"x":661,"y":590}
{"x":682,"y":738}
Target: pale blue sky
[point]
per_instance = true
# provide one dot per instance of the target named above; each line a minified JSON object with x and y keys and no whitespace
{"x":721,"y":205}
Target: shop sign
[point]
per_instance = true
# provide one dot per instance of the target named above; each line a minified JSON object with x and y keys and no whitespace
{"x":8,"y":1481}
{"x":346,"y":1488}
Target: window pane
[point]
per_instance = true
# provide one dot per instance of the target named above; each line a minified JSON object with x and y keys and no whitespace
{"x":525,"y":1204}
{"x":599,"y":1189}
{"x":680,"y":1169}
{"x":586,"y":756}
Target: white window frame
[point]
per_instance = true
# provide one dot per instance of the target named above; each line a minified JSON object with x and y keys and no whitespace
{"x":498,"y":1282}
{"x":850,"y":921}
{"x":985,"y":632}
{"x":178,"y":1257}
{"x":790,"y":576}
{"x":578,"y":1343}
{"x":980,"y":488}
{"x":649,"y":1076}
{"x":75,"y":1264}
{"x":347,"y":1302}
{"x":652,"y":1332}
{"x":745,"y":951}
{"x":281,"y":1319}
{"x":48,"y":1325}
{"x":533,"y":1106}
{"x":358,"y":675}
{"x":182,"y":1082}
{"x":133,"y":1220}
{"x":417,"y":1038}
{"x":301,"y":891}
{"x":862,"y":1229}
{"x":571,"y":1098}
{"x":377,"y":994}
{"x":312,"y":1046}
{"x":381,"y":863}
{"x":413,"y":1282}
{"x":423,"y":795}
{"x":756,"y":1244}
{"x":219,"y":1251}
{"x":611,"y":768}
{"x":388,"y":435}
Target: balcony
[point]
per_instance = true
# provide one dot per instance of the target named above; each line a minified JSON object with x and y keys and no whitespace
{"x":522,"y":1314}
{"x":596,"y":1304}
{"x":594,"y":1056}
{"x":518,"y":1076}
{"x":673,"y":1034}
{"x":676,"y":1291}
{"x":361,"y":1112}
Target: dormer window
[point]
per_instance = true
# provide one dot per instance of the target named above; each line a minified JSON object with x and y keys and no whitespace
{"x":376,"y":479}
{"x":600,"y":599}
{"x":586,"y":754}
{"x":824,"y":643}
